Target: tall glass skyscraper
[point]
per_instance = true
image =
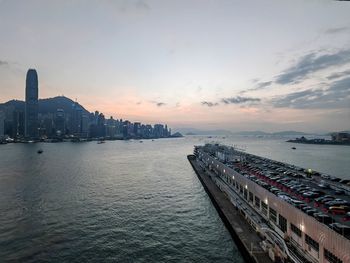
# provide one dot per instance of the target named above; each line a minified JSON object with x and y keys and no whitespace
{"x":31,"y":105}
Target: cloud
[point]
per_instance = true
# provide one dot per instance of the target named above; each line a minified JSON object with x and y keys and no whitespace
{"x":337,"y":95}
{"x":158,"y":103}
{"x":336,"y":30}
{"x":258,"y":86}
{"x":308,"y":64}
{"x":209,"y":104}
{"x":338,"y":75}
{"x":239,"y":100}
{"x":232,"y":100}
{"x":261,"y":85}
{"x":142,"y":5}
{"x":133,"y":6}
{"x":3,"y":63}
{"x":311,"y":63}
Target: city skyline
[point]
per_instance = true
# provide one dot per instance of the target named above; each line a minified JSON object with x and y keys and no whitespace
{"x":60,"y":118}
{"x":230,"y":65}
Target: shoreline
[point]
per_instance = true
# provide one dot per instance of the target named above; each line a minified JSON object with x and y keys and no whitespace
{"x":86,"y":140}
{"x":319,"y":143}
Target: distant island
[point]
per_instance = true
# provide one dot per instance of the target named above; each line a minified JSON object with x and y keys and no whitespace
{"x":177,"y":135}
{"x":338,"y":138}
{"x":193,"y":131}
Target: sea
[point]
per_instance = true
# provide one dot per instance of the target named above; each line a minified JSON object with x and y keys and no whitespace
{"x":126,"y":201}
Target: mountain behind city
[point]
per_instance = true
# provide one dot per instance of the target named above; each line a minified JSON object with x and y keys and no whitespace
{"x":46,"y":106}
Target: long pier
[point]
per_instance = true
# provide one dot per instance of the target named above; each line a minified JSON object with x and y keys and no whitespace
{"x":242,"y":233}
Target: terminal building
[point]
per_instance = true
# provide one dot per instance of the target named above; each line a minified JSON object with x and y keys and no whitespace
{"x":298,"y":237}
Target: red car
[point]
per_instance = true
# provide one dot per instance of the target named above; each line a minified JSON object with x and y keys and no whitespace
{"x":346,"y":217}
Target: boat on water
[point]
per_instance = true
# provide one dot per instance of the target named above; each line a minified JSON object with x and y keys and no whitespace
{"x":100,"y":142}
{"x":293,"y":148}
{"x":40,"y":151}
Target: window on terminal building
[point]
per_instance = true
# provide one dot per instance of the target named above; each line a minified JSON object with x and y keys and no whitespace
{"x":251,"y":197}
{"x":295,"y":230}
{"x":273,"y":215}
{"x":282,"y":223}
{"x":311,"y":242}
{"x":257,"y":202}
{"x":264,"y":208}
{"x":331,"y":257}
{"x":245,"y":194}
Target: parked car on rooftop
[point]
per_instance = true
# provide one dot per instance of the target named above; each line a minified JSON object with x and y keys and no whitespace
{"x":346,"y":217}
{"x":324,"y":186}
{"x":344,"y":181}
{"x":326,"y":219}
{"x":311,"y":194}
{"x":341,"y":229}
{"x":319,"y":199}
{"x":339,"y":209}
{"x":339,"y":192}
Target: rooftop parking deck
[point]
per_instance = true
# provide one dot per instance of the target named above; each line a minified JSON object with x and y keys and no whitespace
{"x":320,"y":196}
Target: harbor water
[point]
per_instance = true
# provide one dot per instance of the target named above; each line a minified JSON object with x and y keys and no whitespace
{"x":125,"y":201}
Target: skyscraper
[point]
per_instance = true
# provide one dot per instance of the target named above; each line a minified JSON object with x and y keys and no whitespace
{"x":60,"y":123}
{"x":31,"y":105}
{"x":2,"y":124}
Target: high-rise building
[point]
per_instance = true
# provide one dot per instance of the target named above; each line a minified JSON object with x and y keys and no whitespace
{"x":2,"y":124}
{"x":60,"y":126}
{"x":76,"y":119}
{"x":18,"y":124}
{"x":101,"y":128}
{"x":137,"y":129}
{"x":110,"y":127}
{"x":158,"y":131}
{"x":84,"y":126}
{"x":31,"y":105}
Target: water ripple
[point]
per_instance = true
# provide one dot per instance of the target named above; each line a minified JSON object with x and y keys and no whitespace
{"x":127,"y":203}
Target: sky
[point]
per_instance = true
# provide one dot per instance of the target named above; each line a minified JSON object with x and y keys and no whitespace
{"x":267,"y":65}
